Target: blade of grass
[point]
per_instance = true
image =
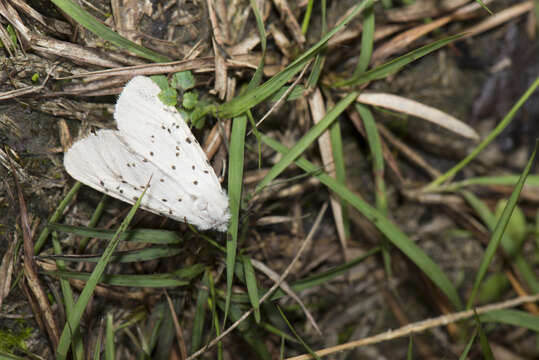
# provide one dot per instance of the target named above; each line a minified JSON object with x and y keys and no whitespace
{"x":56,"y":216}
{"x":73,"y":320}
{"x":176,"y":278}
{"x":235,"y":185}
{"x":93,"y":221}
{"x":491,"y":136}
{"x":483,"y":340}
{"x":525,"y":270}
{"x":320,"y":58}
{"x":340,"y":171}
{"x":236,"y":158}
{"x":517,"y":318}
{"x":367,"y":42}
{"x":391,"y":67}
{"x":109,"y":338}
{"x":200,"y":313}
{"x":392,"y":232}
{"x":511,"y":180}
{"x":252,"y":287}
{"x":82,"y":17}
{"x":468,"y":347}
{"x":249,"y":99}
{"x":305,"y":141}
{"x":150,"y":236}
{"x":303,"y":343}
{"x":375,"y":146}
{"x":67,"y":295}
{"x":499,"y":230}
{"x":144,"y":254}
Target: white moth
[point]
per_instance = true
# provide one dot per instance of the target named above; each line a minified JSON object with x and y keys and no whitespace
{"x":152,"y":142}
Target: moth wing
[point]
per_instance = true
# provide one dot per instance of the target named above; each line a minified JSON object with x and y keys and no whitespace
{"x":106,"y":163}
{"x":159,"y":133}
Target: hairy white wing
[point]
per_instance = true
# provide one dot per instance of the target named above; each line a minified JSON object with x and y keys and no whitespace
{"x":153,"y":142}
{"x":149,"y":126}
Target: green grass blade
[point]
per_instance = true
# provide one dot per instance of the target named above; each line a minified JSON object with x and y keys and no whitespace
{"x":410,"y":353}
{"x":73,"y":320}
{"x":525,"y":270}
{"x":375,"y":146}
{"x":176,"y":278}
{"x":200,"y":314}
{"x":307,"y":17}
{"x":391,"y":67}
{"x":484,"y":6}
{"x":517,"y":318}
{"x":367,"y":42}
{"x":67,"y":295}
{"x":93,"y":221}
{"x":149,"y":236}
{"x":109,"y":338}
{"x":301,"y":341}
{"x":82,"y":17}
{"x":144,"y":254}
{"x":56,"y":216}
{"x":249,"y":99}
{"x":483,"y":340}
{"x":252,"y":286}
{"x":306,"y":140}
{"x":320,"y":58}
{"x":499,"y":231}
{"x":340,"y":171}
{"x":508,"y":180}
{"x":235,"y":185}
{"x":259,"y":73}
{"x":392,"y":232}
{"x":468,"y":347}
{"x":491,"y":136}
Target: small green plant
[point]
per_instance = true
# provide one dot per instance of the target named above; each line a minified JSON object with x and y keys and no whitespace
{"x":191,"y":108}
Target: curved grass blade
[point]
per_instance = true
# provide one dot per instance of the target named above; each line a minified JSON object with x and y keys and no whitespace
{"x":82,"y":17}
{"x":149,"y":236}
{"x":145,"y":254}
{"x":246,"y":101}
{"x":200,"y":313}
{"x":483,"y":340}
{"x":305,"y":141}
{"x":235,"y":185}
{"x":252,"y":287}
{"x":512,"y":317}
{"x":499,"y":230}
{"x":56,"y":216}
{"x":176,"y":278}
{"x":491,"y":136}
{"x":392,"y":232}
{"x":367,"y":42}
{"x":73,"y":320}
{"x":388,"y":68}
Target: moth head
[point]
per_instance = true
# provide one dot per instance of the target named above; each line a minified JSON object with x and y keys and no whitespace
{"x":215,"y":213}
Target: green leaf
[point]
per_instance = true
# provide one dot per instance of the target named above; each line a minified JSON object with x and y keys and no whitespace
{"x":190,"y":100}
{"x":183,"y":80}
{"x":169,"y":96}
{"x":161,"y":81}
